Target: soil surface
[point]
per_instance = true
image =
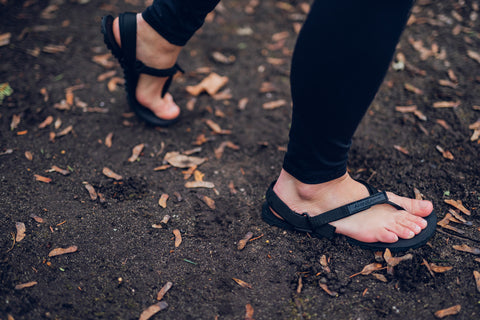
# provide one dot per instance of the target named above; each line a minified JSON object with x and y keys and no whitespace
{"x":122,"y":261}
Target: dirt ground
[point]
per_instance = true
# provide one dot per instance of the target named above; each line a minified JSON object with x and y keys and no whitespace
{"x":122,"y":262}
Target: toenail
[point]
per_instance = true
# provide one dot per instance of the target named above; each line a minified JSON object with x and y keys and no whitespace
{"x":411,"y":234}
{"x":417,"y":229}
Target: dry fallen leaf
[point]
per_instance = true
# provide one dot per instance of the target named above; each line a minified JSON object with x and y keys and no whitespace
{"x":25,"y":285}
{"x":60,"y":251}
{"x":401,"y":149}
{"x":108,"y":140}
{"x":42,"y":178}
{"x":28,"y":155}
{"x":466,"y":248}
{"x":476,"y":276}
{"x":379,"y":277}
{"x":104,"y":76}
{"x":242,"y":283}
{"x":458,"y":205}
{"x":445,"y":153}
{"x":274,"y":104}
{"x":413,"y":89}
{"x":369,"y":268}
{"x":109,"y":173}
{"x":164,"y":290}
{"x":393,"y":261}
{"x":153,"y":309}
{"x":327,"y":290}
{"x":182,"y":161}
{"x":37,"y":218}
{"x":65,"y":131}
{"x":48,"y":121}
{"x":446,"y":104}
{"x":448,"y":312}
{"x":208,"y":201}
{"x":136,"y":151}
{"x":216,"y":128}
{"x":104,"y":61}
{"x":91,"y":191}
{"x":219,"y":151}
{"x":20,"y":231}
{"x":211,"y":84}
{"x":222,"y":58}
{"x":5,"y":38}
{"x":474,"y":55}
{"x":178,"y":237}
{"x":439,"y":269}
{"x":114,"y":82}
{"x":199,"y":184}
{"x":15,"y":121}
{"x":249,"y":312}
{"x":242,"y":243}
{"x":162,"y":202}
{"x":59,"y":170}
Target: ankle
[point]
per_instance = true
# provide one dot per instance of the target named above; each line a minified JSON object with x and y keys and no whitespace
{"x":146,"y":35}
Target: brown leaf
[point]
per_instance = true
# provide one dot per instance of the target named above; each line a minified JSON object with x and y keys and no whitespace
{"x":136,"y":152}
{"x":439,"y":269}
{"x":28,"y":155}
{"x":164,"y":290}
{"x":25,"y":285}
{"x":216,"y":128}
{"x":427,"y":265}
{"x":447,"y":83}
{"x":413,"y":89}
{"x":231,"y":188}
{"x":474,"y":55}
{"x":91,"y":191}
{"x":249,"y":312}
{"x":162,"y":167}
{"x":178,"y":237}
{"x":274,"y":104}
{"x":369,"y":268}
{"x":54,"y":48}
{"x":446,"y":104}
{"x":222,"y":58}
{"x":104,"y":61}
{"x":445,"y":153}
{"x":114,"y":82}
{"x":327,"y":290}
{"x":20,"y":231}
{"x":42,"y":178}
{"x":15,"y":121}
{"x":405,"y":109}
{"x":476,"y":276}
{"x":199,"y":184}
{"x":5,"y":38}
{"x":37,"y":218}
{"x":393,"y":261}
{"x":182,"y":161}
{"x":62,"y":105}
{"x":219,"y":151}
{"x":104,"y":76}
{"x":108,"y":140}
{"x":466,"y":248}
{"x":162,"y":202}
{"x":242,"y":283}
{"x":59,"y":170}
{"x":401,"y":149}
{"x":211,"y":84}
{"x":458,"y":205}
{"x":448,"y":312}
{"x":109,"y":173}
{"x":379,"y":277}
{"x":209,"y":202}
{"x":60,"y":251}
{"x":48,"y":121}
{"x":153,"y":309}
{"x":242,"y":243}
{"x":65,"y":131}
{"x":418,"y":194}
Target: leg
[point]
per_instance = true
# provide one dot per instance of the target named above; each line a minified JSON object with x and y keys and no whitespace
{"x":340,"y":60}
{"x":162,"y":30}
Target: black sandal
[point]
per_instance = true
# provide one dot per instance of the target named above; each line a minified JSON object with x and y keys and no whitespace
{"x":132,"y":68}
{"x":318,"y":226}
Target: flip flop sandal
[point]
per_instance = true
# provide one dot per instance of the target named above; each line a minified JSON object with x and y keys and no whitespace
{"x":132,"y":68}
{"x":318,"y":226}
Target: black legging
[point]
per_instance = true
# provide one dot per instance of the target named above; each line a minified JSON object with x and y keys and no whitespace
{"x":340,"y":59}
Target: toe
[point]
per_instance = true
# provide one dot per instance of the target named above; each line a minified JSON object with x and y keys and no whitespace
{"x":420,"y":208}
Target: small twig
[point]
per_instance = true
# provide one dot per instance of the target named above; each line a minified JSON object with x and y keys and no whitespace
{"x":458,"y":237}
{"x":256,"y":238}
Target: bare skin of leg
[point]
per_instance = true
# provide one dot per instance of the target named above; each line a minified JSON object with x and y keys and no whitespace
{"x":381,"y":223}
{"x":156,"y":52}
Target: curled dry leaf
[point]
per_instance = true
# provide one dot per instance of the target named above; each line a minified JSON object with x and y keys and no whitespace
{"x":222,"y":58}
{"x":476,"y":276}
{"x":114,"y":82}
{"x":42,"y":178}
{"x":426,"y":264}
{"x":59,"y":170}
{"x":439,"y":269}
{"x":413,"y":89}
{"x":136,"y":152}
{"x":182,"y":161}
{"x":20,"y":231}
{"x":28,"y":155}
{"x":242,"y":103}
{"x":108,"y":140}
{"x":324,"y":263}
{"x":164,"y":290}
{"x":198,"y":176}
{"x":231,"y":188}
{"x":178,"y":237}
{"x":242,"y":243}
{"x":91,"y":191}
{"x":445,"y":153}
{"x":65,"y":131}
{"x":109,"y":173}
{"x":60,"y":251}
{"x":199,"y":184}
{"x":211,"y":84}
{"x":406,"y":109}
{"x":467,"y":248}
{"x":458,"y":204}
{"x":25,"y":285}
{"x":448,"y":312}
{"x":249,"y":312}
{"x":379,"y":277}
{"x":15,"y":122}
{"x":48,"y":121}
{"x":216,"y":128}
{"x":418,"y":194}
{"x":104,"y":60}
{"x":104,"y":76}
{"x":162,"y":167}
{"x":274,"y":104}
{"x":446,"y":104}
{"x":327,"y":290}
{"x":54,"y":48}
{"x":153,"y":309}
{"x":162,"y":202}
{"x":474,"y":55}
{"x":242,"y":283}
{"x":393,"y":261}
{"x":401,"y":149}
{"x":5,"y":38}
{"x":369,"y":268}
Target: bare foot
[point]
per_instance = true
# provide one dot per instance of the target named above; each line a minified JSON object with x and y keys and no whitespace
{"x":156,"y":52}
{"x":381,"y":223}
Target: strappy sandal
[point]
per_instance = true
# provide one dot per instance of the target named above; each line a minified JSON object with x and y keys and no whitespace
{"x":132,"y":68}
{"x":319,"y":226}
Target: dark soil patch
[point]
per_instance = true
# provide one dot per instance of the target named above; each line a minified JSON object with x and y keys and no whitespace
{"x":122,"y":261}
